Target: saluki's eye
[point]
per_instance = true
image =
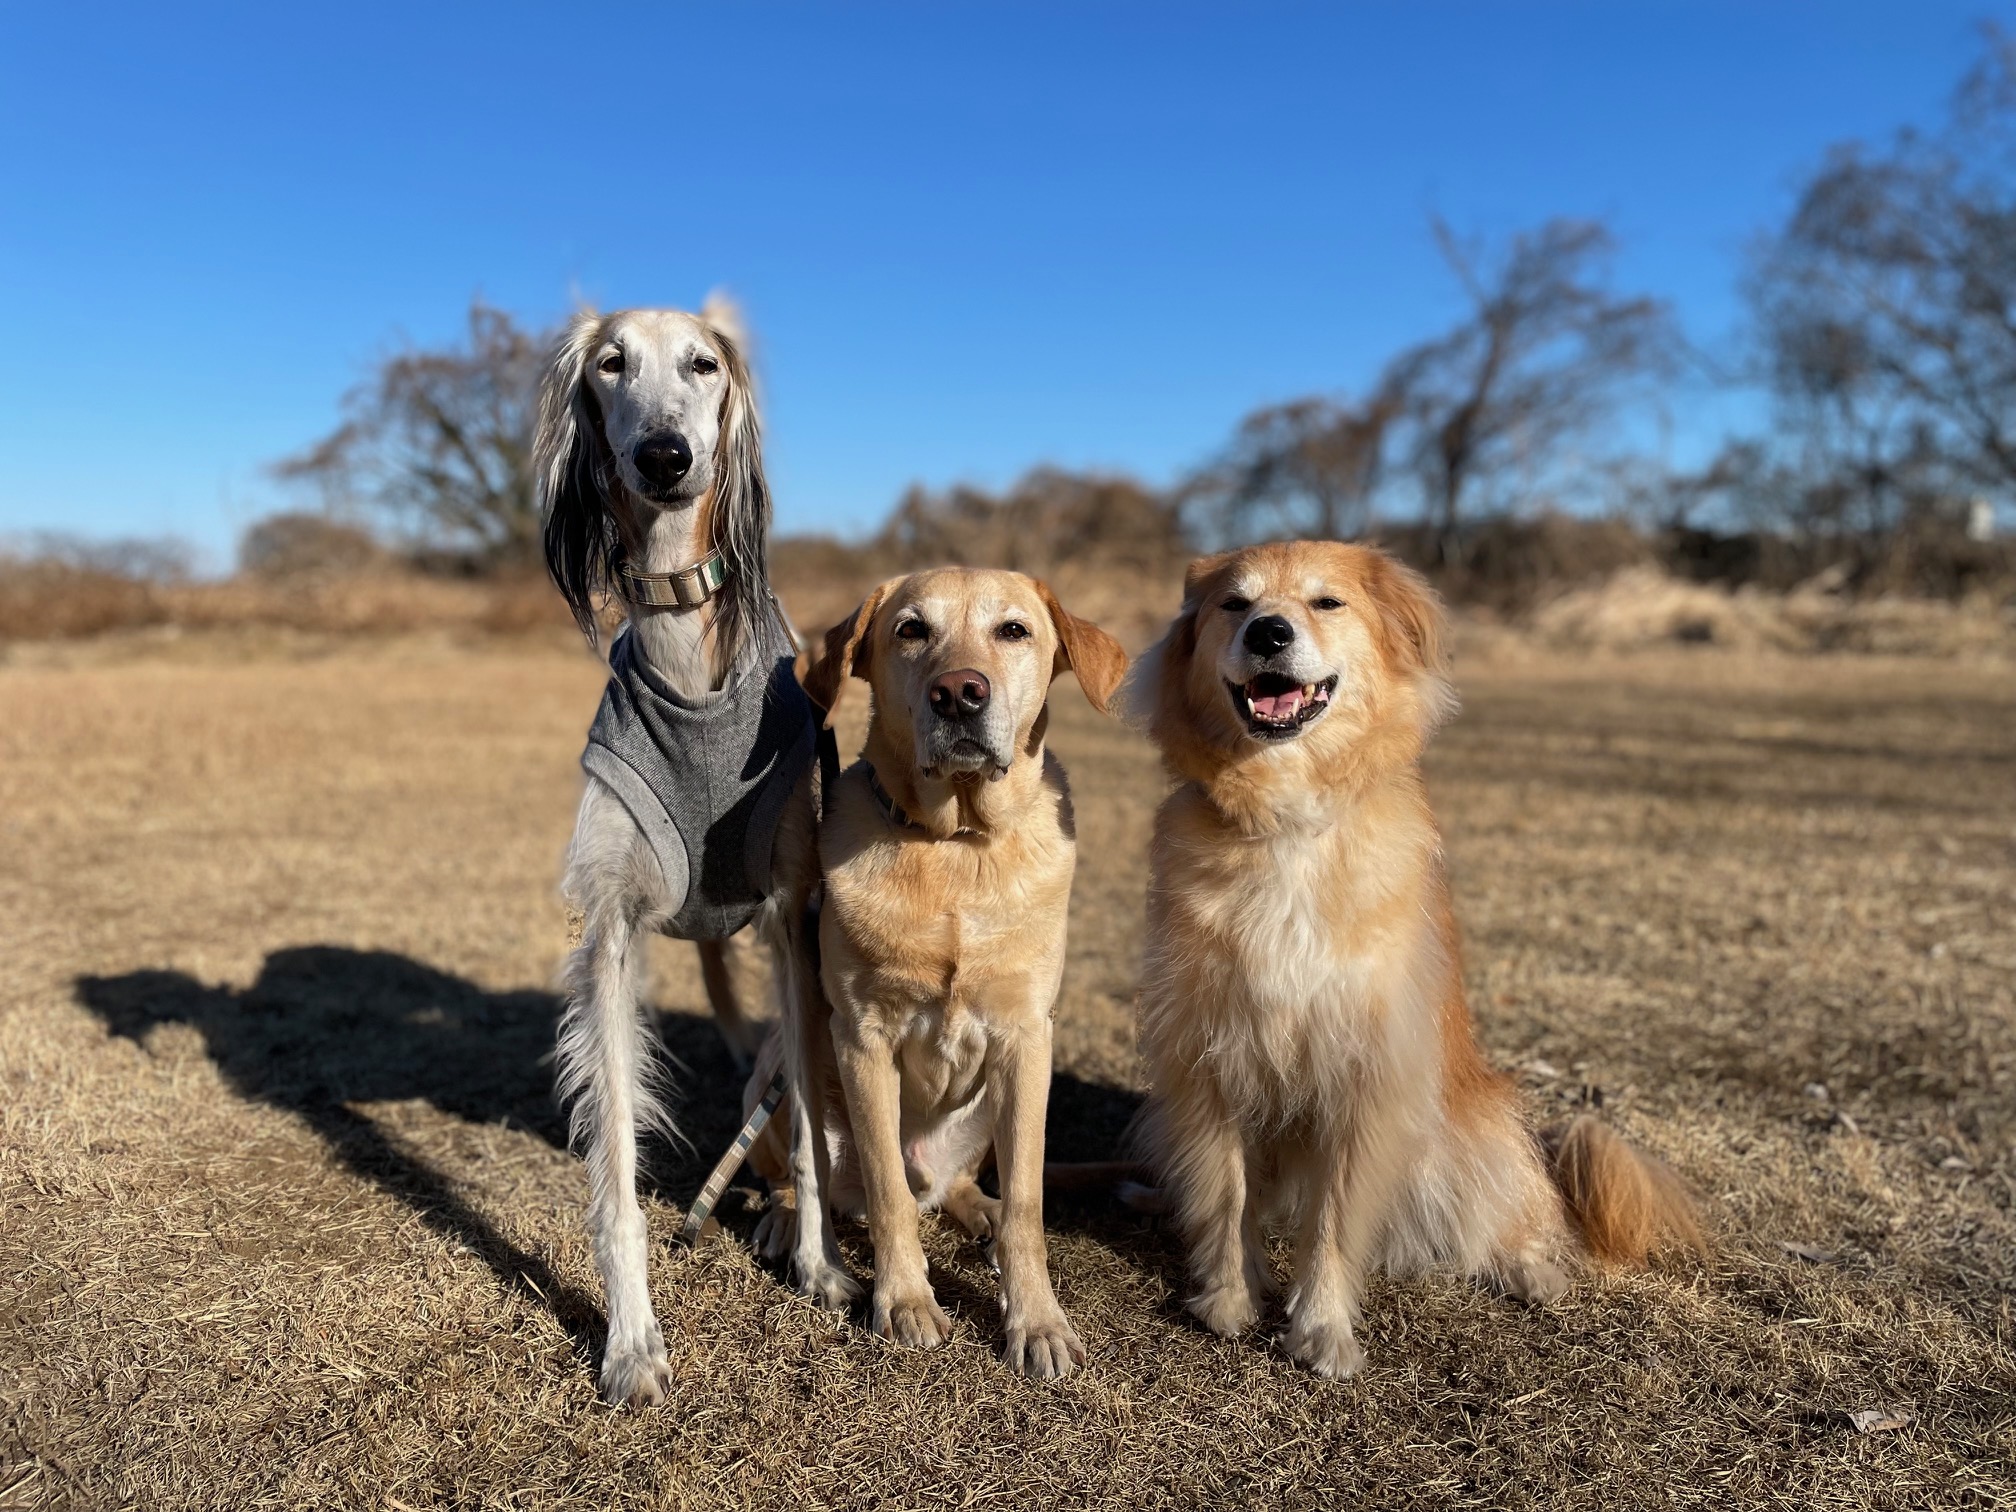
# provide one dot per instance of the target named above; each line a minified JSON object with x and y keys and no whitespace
{"x":1013,"y":630}
{"x":705,"y":364}
{"x":1327,"y":603}
{"x":912,"y":629}
{"x":613,"y":363}
{"x":1236,"y":605}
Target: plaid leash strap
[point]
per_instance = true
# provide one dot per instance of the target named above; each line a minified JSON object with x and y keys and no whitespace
{"x":726,"y":1167}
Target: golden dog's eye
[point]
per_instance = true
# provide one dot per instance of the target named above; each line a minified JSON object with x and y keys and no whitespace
{"x":1236,"y":605}
{"x":913,"y":629}
{"x":613,"y":363}
{"x":1013,"y":630}
{"x":1326,"y":602}
{"x":705,"y":364}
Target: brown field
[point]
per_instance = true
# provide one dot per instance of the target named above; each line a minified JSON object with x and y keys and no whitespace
{"x":286,"y":1221}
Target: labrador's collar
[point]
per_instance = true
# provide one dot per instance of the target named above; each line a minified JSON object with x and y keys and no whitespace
{"x":683,"y":588}
{"x":893,"y":811}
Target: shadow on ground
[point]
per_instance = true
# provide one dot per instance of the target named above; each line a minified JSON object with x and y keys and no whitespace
{"x":325,"y":1029}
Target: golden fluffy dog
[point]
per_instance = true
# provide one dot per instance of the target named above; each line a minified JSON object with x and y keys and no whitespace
{"x":1302,"y":1006}
{"x":947,"y":853}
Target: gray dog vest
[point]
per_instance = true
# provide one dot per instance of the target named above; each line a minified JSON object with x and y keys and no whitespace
{"x":706,"y":778}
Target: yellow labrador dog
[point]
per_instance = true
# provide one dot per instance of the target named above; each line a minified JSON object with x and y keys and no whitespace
{"x":1302,"y":1006}
{"x":947,"y":853}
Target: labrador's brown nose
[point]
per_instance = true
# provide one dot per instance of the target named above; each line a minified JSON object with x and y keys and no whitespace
{"x":960,"y":693}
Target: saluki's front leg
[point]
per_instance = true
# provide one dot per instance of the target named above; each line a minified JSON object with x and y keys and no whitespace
{"x":1041,"y":1341}
{"x":904,"y":1308}
{"x":602,"y":1050}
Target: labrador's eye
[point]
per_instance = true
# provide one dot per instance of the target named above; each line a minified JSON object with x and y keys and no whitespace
{"x":913,"y":629}
{"x":1327,"y":603}
{"x":1236,"y":605}
{"x":1013,"y":630}
{"x":705,"y":364}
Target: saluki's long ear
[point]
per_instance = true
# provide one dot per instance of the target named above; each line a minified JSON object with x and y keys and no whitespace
{"x":848,"y":652}
{"x":568,"y":471}
{"x":741,"y":512}
{"x":1082,"y":647}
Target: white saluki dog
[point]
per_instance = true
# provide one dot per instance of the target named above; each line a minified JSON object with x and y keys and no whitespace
{"x":649,"y":463}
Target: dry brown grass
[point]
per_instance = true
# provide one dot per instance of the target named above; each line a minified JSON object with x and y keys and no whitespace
{"x":285,"y":1221}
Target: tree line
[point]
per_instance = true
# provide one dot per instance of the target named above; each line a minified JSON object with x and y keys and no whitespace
{"x":1881,"y":340}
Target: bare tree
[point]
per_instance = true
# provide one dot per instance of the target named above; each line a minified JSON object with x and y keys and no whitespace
{"x":437,"y":443}
{"x":1546,"y":352}
{"x":1307,"y":468}
{"x":1886,"y":311}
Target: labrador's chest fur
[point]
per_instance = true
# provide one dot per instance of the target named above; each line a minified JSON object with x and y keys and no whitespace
{"x":1290,"y":967}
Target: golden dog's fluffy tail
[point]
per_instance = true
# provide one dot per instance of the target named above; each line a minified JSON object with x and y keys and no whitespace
{"x":1627,"y":1205}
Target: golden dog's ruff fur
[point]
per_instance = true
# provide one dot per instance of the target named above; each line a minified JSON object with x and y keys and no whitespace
{"x":1301,"y":1006}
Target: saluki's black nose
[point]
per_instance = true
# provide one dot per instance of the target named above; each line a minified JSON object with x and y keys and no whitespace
{"x":1269,"y":635}
{"x":663,"y":459}
{"x":959,"y":693}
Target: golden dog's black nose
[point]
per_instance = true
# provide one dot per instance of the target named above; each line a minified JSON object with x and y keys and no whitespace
{"x":960,"y":693}
{"x":1269,"y":635}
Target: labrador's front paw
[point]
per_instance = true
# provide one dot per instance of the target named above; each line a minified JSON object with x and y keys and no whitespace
{"x":1047,"y":1350}
{"x":910,"y":1318}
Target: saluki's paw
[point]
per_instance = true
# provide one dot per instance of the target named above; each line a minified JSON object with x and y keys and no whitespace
{"x":829,"y":1284}
{"x":1226,"y":1310}
{"x":912,"y":1319}
{"x":1047,"y":1350}
{"x":1327,"y":1348}
{"x":776,"y":1233}
{"x":636,"y":1375}
{"x":1536,"y":1281}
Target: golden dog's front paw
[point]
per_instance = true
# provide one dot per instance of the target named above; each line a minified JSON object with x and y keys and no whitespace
{"x":1225,"y":1310}
{"x":912,"y":1319}
{"x":1327,"y":1348}
{"x":1046,"y":1350}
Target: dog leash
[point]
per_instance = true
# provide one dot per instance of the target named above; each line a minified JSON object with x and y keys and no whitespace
{"x":726,"y":1167}
{"x":731,"y":1162}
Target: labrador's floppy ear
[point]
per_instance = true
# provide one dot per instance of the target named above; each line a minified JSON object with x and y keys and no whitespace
{"x":847,"y":653}
{"x":1411,"y":612}
{"x":1084,"y":648}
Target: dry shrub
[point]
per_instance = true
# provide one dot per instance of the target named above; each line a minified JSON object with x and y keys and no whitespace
{"x":1642,"y":607}
{"x":295,"y":545}
{"x":1509,"y":565}
{"x":42,"y":598}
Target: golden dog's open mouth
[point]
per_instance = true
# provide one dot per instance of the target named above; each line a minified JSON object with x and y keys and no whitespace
{"x":1276,"y":707}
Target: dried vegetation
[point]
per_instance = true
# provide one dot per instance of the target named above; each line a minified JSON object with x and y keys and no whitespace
{"x":287,"y":1221}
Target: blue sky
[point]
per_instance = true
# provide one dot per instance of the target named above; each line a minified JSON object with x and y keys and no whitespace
{"x":970,"y":237}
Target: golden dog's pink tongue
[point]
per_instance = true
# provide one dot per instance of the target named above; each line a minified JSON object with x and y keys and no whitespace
{"x":1277,"y":707}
